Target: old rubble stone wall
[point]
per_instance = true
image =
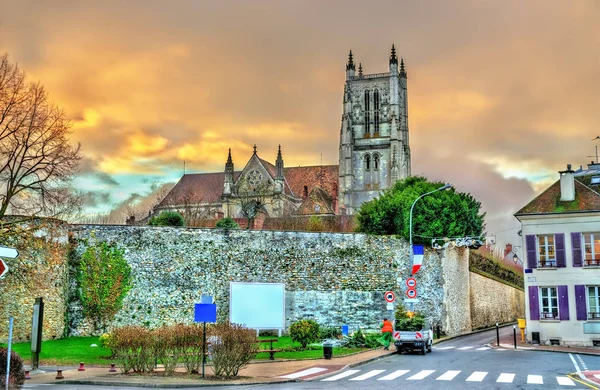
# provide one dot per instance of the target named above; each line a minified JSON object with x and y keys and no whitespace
{"x":456,"y":312}
{"x":492,"y":301}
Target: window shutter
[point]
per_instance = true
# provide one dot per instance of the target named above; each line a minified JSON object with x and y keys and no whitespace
{"x":531,"y":251}
{"x":576,"y":244}
{"x":559,"y":240}
{"x":563,"y":303}
{"x":534,"y":303}
{"x":580,"y":304}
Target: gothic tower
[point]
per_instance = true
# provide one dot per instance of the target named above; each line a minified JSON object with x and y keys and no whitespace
{"x":374,"y":149}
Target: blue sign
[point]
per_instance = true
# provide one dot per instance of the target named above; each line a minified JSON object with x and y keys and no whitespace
{"x":205,"y":312}
{"x":528,"y":271}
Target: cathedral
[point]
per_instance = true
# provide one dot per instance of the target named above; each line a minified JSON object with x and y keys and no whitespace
{"x":374,"y":153}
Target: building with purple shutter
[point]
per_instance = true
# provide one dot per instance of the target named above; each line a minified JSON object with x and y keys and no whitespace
{"x":561,"y":237}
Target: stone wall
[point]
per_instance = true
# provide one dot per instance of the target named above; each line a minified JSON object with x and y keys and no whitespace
{"x":492,"y":302}
{"x":456,"y":308}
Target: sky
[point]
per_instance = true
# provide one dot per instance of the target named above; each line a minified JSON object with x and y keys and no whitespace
{"x":502,"y":94}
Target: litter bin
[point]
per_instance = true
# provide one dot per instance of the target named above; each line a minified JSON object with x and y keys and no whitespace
{"x":535,"y":337}
{"x":327,"y":351}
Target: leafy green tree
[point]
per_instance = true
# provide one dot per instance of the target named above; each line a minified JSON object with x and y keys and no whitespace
{"x":304,"y":332}
{"x":441,"y":214}
{"x":167,"y":218}
{"x":227,"y":223}
{"x":104,"y":278}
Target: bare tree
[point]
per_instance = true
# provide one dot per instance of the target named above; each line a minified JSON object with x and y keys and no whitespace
{"x":37,"y":161}
{"x":253,"y":198}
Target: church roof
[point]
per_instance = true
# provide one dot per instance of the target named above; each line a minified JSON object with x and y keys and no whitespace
{"x":324,"y":176}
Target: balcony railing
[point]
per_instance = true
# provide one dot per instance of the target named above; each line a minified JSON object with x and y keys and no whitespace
{"x":547,"y":264}
{"x":591,"y":262}
{"x":594,"y":315}
{"x":545,"y":315}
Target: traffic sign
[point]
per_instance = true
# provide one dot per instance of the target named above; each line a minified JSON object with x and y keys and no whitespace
{"x":389,"y":296}
{"x":7,"y":252}
{"x":411,"y":300}
{"x":411,"y":293}
{"x":396,"y":335}
{"x":3,"y":268}
{"x":411,"y":282}
{"x":389,"y":306}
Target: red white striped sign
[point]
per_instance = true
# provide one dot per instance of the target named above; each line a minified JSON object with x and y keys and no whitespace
{"x":396,"y":335}
{"x":419,"y":336}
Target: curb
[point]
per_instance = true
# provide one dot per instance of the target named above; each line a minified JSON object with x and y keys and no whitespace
{"x":94,"y":382}
{"x":511,"y":347}
{"x":444,"y":339}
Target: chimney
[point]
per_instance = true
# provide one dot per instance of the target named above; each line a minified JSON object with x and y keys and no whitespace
{"x":567,"y":184}
{"x":508,"y":249}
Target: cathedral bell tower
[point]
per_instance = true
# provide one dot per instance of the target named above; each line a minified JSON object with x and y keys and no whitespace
{"x":374,"y":150}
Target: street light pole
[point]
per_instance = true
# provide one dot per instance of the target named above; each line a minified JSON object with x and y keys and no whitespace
{"x":444,"y":187}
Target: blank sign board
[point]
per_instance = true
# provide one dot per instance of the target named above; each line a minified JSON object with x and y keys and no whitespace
{"x":257,"y":305}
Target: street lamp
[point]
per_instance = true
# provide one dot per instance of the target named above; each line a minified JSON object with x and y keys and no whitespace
{"x":444,"y":187}
{"x":515,"y":257}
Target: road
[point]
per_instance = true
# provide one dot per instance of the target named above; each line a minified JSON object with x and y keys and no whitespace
{"x":462,"y":363}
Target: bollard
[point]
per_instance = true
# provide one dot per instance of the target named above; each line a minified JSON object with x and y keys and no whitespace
{"x":437,"y":330}
{"x":515,"y":335}
{"x":112,"y":368}
{"x":27,"y":376}
{"x":497,"y":335}
{"x":59,"y":374}
{"x":81,"y":367}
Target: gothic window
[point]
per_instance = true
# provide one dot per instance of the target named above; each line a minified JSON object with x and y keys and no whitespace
{"x":376,"y":162}
{"x":367,"y":162}
{"x":376,"y":113}
{"x":367,"y":113}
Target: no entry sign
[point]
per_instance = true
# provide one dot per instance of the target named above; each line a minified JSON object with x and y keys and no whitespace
{"x":389,"y":296}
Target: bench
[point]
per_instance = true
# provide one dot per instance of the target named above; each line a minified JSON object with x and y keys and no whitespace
{"x":271,"y":350}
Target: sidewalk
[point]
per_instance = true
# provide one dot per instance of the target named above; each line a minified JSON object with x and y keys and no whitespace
{"x":258,"y":372}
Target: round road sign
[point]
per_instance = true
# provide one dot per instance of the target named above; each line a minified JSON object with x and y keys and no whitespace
{"x":389,"y":296}
{"x":411,"y":293}
{"x":411,"y":282}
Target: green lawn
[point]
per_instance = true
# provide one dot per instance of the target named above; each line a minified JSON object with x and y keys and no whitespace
{"x":72,"y":350}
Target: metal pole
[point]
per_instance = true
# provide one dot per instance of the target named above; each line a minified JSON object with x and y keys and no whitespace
{"x":497,"y":335}
{"x":203,"y":348}
{"x":10,"y":331}
{"x":515,"y":335}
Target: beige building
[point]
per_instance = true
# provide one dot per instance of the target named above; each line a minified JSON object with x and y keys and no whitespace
{"x":561,"y":231}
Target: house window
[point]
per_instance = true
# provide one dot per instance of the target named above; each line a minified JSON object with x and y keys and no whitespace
{"x":593,"y":302}
{"x":595,"y":180}
{"x":591,"y":247}
{"x":548,"y":302}
{"x":547,"y":254}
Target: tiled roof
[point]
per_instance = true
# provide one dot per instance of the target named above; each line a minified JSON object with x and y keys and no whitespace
{"x":324,"y":176}
{"x":197,"y":188}
{"x":318,"y":196}
{"x":586,"y":199}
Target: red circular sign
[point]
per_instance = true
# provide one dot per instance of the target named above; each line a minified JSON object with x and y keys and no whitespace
{"x":389,"y":296}
{"x":411,"y":282}
{"x":411,"y":293}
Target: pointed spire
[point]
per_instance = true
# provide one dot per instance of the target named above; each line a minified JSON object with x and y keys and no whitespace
{"x":229,"y":163}
{"x":360,"y":72}
{"x":350,"y":64}
{"x":254,"y":148}
{"x":402,"y":70}
{"x":229,"y":157}
{"x":393,"y":58}
{"x":279,"y":164}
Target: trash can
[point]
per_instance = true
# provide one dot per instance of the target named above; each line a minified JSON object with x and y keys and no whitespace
{"x":327,"y":351}
{"x":535,"y":337}
{"x":521,"y":322}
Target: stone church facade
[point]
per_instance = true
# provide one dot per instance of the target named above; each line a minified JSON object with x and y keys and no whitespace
{"x":374,"y":153}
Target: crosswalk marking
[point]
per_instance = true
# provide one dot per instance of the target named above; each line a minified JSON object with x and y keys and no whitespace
{"x":505,"y":378}
{"x":420,"y":375}
{"x":307,"y":372}
{"x":368,"y":375}
{"x":342,"y":375}
{"x":483,"y":349}
{"x":564,"y":381}
{"x":463,"y":348}
{"x":393,"y":375}
{"x":535,"y":379}
{"x":448,"y":375}
{"x":477,"y":376}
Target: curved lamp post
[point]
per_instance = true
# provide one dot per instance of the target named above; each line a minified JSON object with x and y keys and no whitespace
{"x":444,"y":187}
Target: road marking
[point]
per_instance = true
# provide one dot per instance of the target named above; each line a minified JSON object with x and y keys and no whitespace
{"x":483,"y":349}
{"x":368,"y":375}
{"x":420,"y":375}
{"x":340,"y":376}
{"x":445,"y":347}
{"x":505,"y":378}
{"x":448,"y":375}
{"x":299,"y":374}
{"x":582,"y":363}
{"x":597,"y":376}
{"x":535,"y":379}
{"x":477,"y":376}
{"x":463,"y":348}
{"x":564,"y":381}
{"x":574,"y":363}
{"x":393,"y":375}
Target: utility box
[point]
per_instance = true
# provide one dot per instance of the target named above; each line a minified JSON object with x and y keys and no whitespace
{"x":521,"y":322}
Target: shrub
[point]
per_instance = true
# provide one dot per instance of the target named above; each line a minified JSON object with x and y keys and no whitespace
{"x":227,"y":223}
{"x":315,"y":224}
{"x":167,"y":218}
{"x":329,"y":332}
{"x":133,"y":348}
{"x":17,"y":374}
{"x":408,"y":321}
{"x":304,"y":332}
{"x":232,"y":348}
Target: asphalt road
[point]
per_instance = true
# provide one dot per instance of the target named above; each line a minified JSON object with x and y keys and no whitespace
{"x":463,"y":363}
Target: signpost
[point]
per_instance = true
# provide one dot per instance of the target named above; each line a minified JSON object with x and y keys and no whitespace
{"x":9,"y":253}
{"x":3,"y":268}
{"x":205,"y":312}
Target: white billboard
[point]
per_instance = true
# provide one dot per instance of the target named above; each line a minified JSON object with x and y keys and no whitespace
{"x":257,"y":305}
